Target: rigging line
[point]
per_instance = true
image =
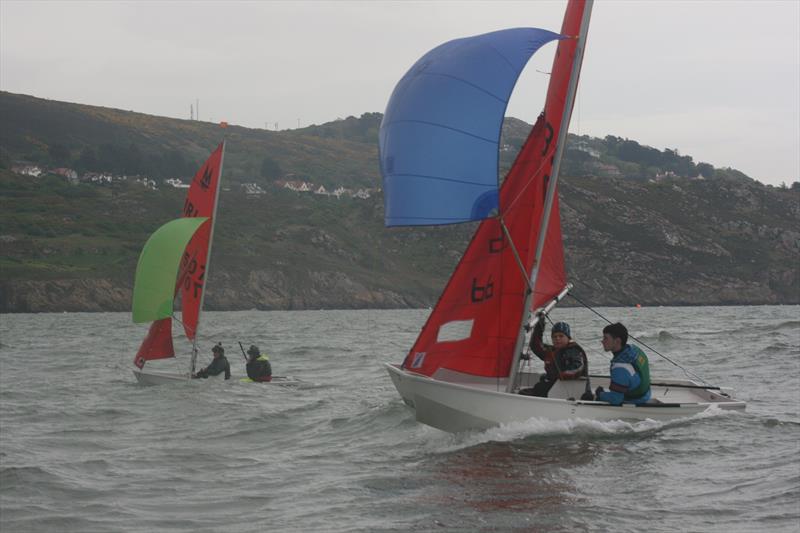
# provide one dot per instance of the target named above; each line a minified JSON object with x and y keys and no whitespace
{"x":530,"y":180}
{"x":685,"y":371}
{"x":194,"y":343}
{"x":516,"y":255}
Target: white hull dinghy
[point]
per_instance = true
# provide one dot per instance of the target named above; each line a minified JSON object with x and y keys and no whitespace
{"x":466,"y":404}
{"x":439,"y":142}
{"x":152,"y":377}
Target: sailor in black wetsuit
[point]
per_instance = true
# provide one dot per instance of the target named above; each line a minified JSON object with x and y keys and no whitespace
{"x":258,"y":365}
{"x":218,"y":365}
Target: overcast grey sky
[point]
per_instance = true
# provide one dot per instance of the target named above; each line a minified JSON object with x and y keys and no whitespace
{"x":718,"y":80}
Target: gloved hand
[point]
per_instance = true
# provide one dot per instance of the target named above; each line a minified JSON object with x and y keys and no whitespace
{"x":525,"y":356}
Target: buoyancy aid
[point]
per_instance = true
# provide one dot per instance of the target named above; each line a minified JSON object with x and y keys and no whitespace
{"x":642,"y":367}
{"x":259,"y":369}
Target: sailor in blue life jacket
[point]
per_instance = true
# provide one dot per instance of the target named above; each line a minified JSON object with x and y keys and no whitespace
{"x":258,"y":366}
{"x":630,"y":370}
{"x":218,"y":365}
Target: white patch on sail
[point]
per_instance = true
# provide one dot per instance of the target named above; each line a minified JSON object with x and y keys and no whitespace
{"x":455,"y":331}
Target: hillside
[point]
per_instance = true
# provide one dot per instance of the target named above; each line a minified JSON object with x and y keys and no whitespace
{"x":639,"y":227}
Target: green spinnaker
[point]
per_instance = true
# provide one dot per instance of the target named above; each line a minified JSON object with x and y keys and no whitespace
{"x":157,"y":270}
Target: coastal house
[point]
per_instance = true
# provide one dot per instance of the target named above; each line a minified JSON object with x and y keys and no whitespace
{"x":584,"y":146}
{"x":606,"y":170}
{"x":298,"y":186}
{"x":97,"y":177}
{"x":251,"y":189}
{"x":339,"y":191}
{"x":147,"y":182}
{"x":27,"y":170}
{"x":68,"y":173}
{"x":177,"y":183}
{"x":321,"y":190}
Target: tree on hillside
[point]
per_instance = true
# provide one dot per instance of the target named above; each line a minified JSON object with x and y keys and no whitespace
{"x":705,"y":169}
{"x":59,"y":154}
{"x":133,"y":161}
{"x":108,"y":158}
{"x":87,"y":160}
{"x":270,"y":168}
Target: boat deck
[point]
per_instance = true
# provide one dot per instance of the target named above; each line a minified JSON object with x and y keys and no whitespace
{"x":665,"y":392}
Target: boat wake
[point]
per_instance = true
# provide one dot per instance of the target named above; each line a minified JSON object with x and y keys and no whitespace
{"x":538,"y":427}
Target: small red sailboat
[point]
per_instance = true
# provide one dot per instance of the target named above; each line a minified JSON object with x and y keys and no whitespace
{"x":174,"y":262}
{"x":439,"y":144}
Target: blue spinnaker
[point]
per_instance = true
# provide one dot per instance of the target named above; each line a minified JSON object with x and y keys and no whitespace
{"x":440,"y":134}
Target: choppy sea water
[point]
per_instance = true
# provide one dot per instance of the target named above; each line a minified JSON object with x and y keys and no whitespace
{"x":84,"y":448}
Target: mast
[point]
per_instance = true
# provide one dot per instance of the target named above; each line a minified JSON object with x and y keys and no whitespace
{"x":551,"y":187}
{"x":208,"y":261}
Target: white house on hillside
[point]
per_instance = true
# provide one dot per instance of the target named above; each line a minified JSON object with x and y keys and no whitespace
{"x":177,"y":183}
{"x":27,"y":170}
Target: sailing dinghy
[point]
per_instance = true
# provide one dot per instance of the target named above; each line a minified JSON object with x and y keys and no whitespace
{"x":439,"y":142}
{"x":174,"y":261}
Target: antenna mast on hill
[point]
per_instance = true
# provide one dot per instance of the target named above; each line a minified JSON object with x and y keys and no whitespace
{"x":197,"y":109}
{"x":191,"y":111}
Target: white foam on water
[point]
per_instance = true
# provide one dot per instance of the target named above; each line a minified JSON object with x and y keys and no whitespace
{"x":447,"y":442}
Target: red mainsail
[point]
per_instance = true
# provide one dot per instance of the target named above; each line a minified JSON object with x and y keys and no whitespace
{"x":200,"y":202}
{"x":476,"y":323}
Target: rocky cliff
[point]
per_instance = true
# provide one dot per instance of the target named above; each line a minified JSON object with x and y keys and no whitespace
{"x":673,"y":242}
{"x":640,"y":225}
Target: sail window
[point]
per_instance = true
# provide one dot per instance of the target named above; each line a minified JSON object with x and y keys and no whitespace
{"x":455,"y":330}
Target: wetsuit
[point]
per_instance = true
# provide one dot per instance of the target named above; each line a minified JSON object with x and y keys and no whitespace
{"x":218,"y":365}
{"x":259,"y":369}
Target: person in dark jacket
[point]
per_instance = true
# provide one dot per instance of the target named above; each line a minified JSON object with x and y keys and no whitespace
{"x":258,"y":366}
{"x":564,"y":359}
{"x":630,"y":369}
{"x":218,"y":365}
